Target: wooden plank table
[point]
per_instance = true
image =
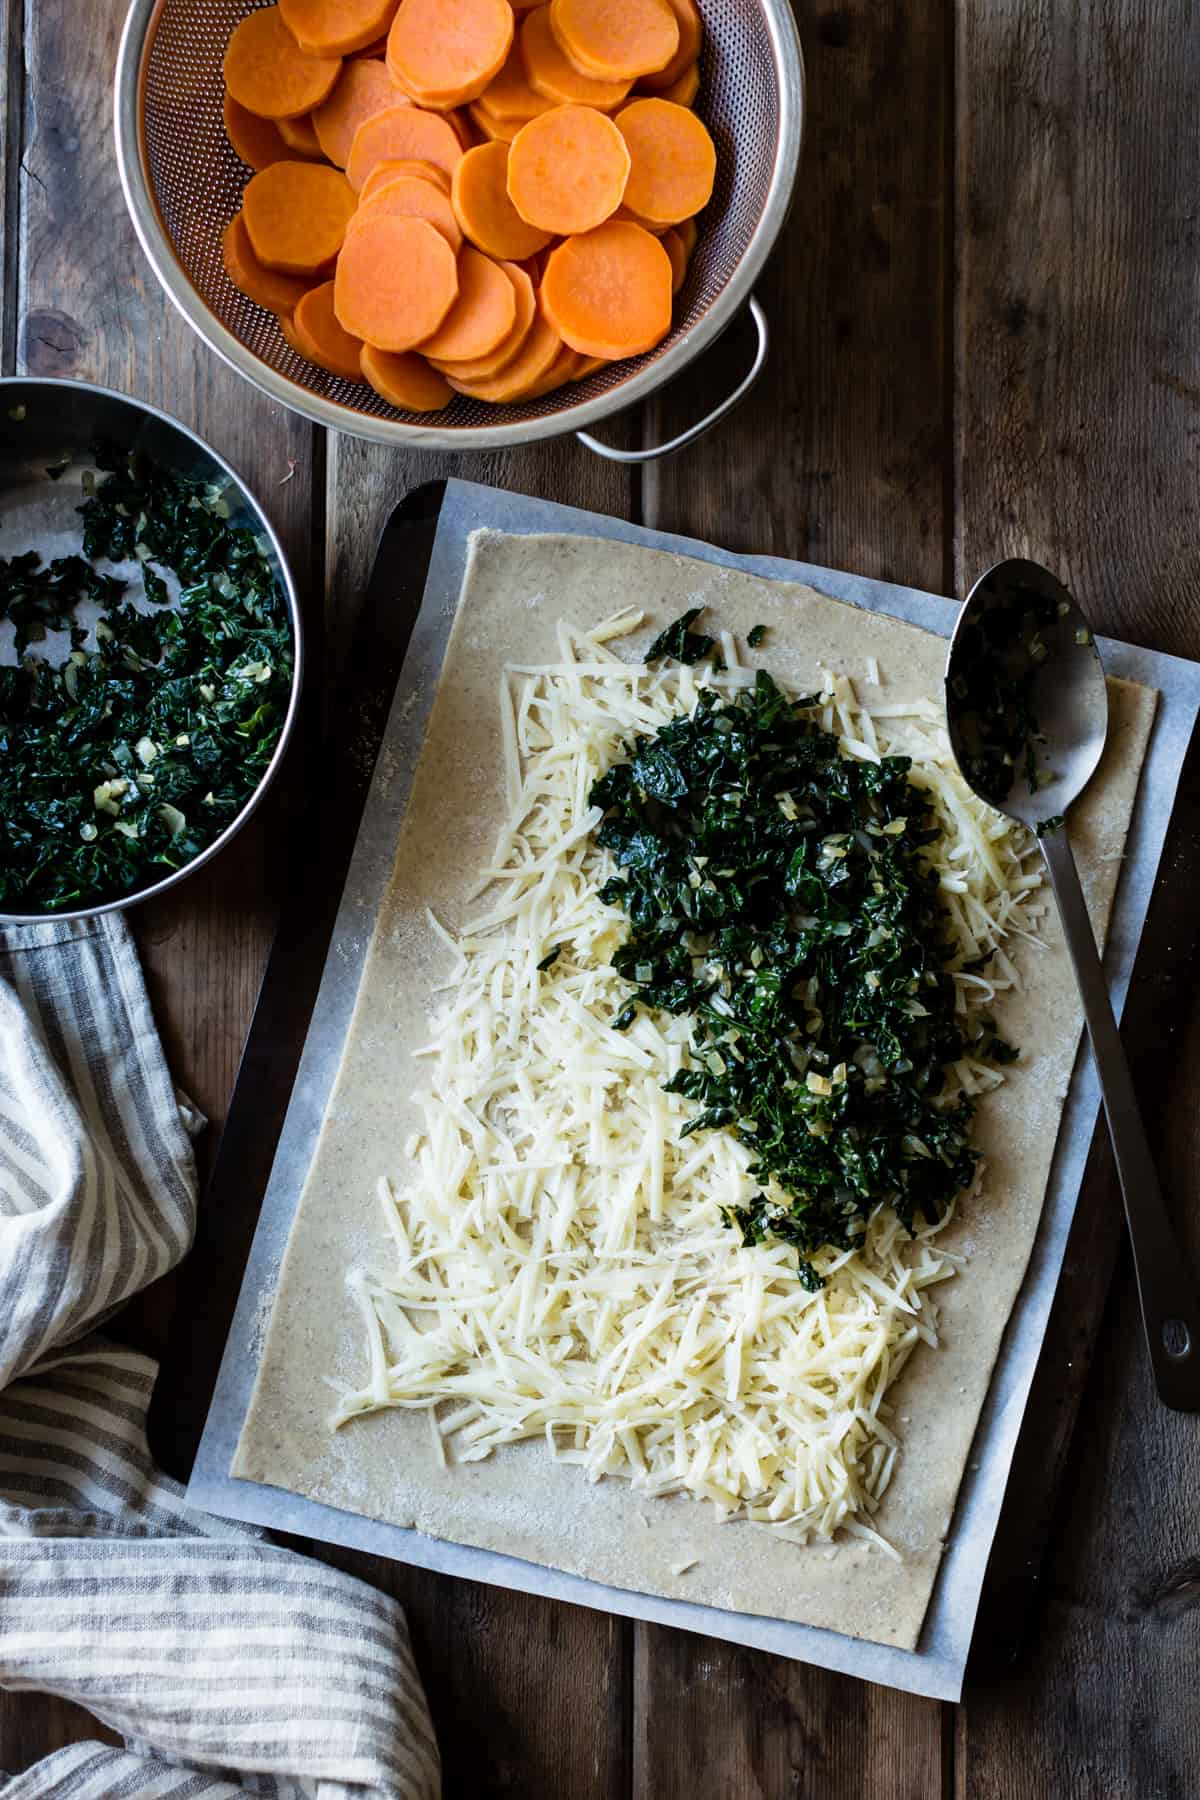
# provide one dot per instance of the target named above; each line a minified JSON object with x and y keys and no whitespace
{"x":985,"y":343}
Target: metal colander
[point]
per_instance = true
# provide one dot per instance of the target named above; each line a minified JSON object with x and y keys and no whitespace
{"x":183,"y":183}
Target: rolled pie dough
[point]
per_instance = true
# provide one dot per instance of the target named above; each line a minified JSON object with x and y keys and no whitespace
{"x":519,"y":1501}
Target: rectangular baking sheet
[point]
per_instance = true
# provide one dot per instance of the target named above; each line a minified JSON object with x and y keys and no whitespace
{"x":936,"y":1667}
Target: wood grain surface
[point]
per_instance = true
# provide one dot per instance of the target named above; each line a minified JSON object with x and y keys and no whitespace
{"x":984,"y":342}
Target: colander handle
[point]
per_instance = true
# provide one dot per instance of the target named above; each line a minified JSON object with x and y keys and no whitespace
{"x":714,"y":418}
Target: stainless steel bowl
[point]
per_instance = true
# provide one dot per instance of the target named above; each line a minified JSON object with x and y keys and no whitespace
{"x":183,"y":183}
{"x":42,"y":425}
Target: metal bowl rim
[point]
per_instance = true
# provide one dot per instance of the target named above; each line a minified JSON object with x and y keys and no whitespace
{"x":9,"y":382}
{"x":140,"y":24}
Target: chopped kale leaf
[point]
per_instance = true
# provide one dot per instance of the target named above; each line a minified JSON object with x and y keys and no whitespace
{"x":779,"y":894}
{"x":681,"y":642}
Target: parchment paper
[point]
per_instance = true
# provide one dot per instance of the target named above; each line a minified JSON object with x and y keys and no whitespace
{"x":520,"y":1503}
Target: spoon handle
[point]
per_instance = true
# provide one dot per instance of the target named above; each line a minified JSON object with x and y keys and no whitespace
{"x":1166,"y":1287}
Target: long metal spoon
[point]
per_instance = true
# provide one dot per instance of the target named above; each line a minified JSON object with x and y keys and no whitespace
{"x":1063,"y":675}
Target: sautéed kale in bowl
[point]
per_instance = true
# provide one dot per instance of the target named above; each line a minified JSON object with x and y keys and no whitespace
{"x":149,"y":651}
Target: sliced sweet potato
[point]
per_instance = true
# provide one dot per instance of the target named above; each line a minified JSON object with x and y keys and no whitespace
{"x":546,"y":385}
{"x":449,"y":50}
{"x":319,"y":336}
{"x":567,"y":170}
{"x":412,"y":197}
{"x":691,"y":36}
{"x":479,"y":191}
{"x":608,"y":292}
{"x":684,"y":91}
{"x":433,"y":99}
{"x":561,"y":370}
{"x":615,"y":40}
{"x":536,"y":265}
{"x":396,"y":280}
{"x":483,"y":314}
{"x":687,"y":232}
{"x":556,"y":79}
{"x":527,"y":367}
{"x":510,"y":96}
{"x":383,"y":172}
{"x":288,"y":332}
{"x":588,"y":366}
{"x":481,"y":368}
{"x":405,"y":380}
{"x":461,"y":127}
{"x":296,"y":214}
{"x":672,"y":243}
{"x":673,"y":161}
{"x":632,"y":218}
{"x":257,"y":141}
{"x":402,"y":132}
{"x":373,"y":53}
{"x":300,"y":138}
{"x":337,"y":27}
{"x":278,"y":293}
{"x":267,"y":72}
{"x":491,"y":129}
{"x":363,"y":89}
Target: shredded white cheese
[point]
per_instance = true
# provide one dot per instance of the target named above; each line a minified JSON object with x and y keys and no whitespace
{"x":561,"y":1267}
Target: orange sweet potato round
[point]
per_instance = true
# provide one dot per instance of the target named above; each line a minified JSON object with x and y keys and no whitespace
{"x":412,"y":197}
{"x":510,"y":96}
{"x":402,"y":132}
{"x":479,"y":191}
{"x":317,"y":334}
{"x":555,"y":78}
{"x":616,"y":40}
{"x":490,"y":128}
{"x":691,"y":34}
{"x":535,"y":356}
{"x":278,"y":293}
{"x":481,"y":368}
{"x":405,"y":380}
{"x":300,"y":138}
{"x":672,"y":243}
{"x":296,"y":214}
{"x":608,"y":292}
{"x":567,"y":170}
{"x":447,"y":51}
{"x":483,"y":314}
{"x":257,"y":141}
{"x":363,"y":88}
{"x":684,"y":91}
{"x":383,"y":172}
{"x":267,"y":72}
{"x":396,"y":280}
{"x":673,"y":162}
{"x":336,"y":27}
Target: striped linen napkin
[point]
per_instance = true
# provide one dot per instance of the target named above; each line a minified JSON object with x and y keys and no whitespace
{"x":226,"y":1664}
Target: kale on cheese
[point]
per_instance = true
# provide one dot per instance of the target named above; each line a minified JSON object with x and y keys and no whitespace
{"x":561,"y":1265}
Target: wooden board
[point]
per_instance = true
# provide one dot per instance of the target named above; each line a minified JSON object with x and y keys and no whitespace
{"x":1077,"y":396}
{"x":984,"y":341}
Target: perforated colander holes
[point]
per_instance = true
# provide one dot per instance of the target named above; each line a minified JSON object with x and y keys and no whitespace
{"x":198,"y":180}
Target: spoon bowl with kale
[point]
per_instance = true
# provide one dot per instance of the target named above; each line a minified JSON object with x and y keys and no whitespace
{"x":149,"y":651}
{"x":1026,"y":700}
{"x":1027,"y":710}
